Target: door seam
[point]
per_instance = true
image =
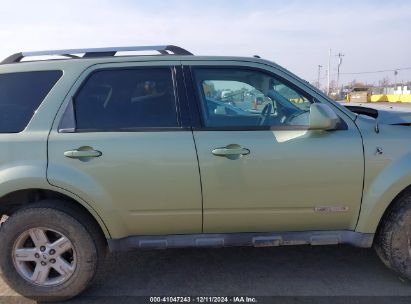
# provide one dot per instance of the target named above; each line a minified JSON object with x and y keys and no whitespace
{"x":195,"y":144}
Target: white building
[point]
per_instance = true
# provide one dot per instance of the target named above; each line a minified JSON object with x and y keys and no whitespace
{"x":402,"y":90}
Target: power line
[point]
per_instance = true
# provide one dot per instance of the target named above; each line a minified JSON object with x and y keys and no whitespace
{"x":367,"y":72}
{"x":375,"y":72}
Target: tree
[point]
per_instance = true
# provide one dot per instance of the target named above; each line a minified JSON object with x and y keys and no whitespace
{"x":383,"y":85}
{"x":385,"y":82}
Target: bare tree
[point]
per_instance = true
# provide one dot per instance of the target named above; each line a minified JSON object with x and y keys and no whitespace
{"x":383,"y":85}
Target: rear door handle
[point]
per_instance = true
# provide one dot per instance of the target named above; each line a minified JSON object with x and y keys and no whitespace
{"x":231,"y":150}
{"x":82,"y":153}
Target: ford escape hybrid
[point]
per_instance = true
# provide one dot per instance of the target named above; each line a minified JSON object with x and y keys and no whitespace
{"x":105,"y":149}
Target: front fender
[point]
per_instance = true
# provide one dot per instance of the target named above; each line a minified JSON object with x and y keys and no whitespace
{"x":382,"y":192}
{"x":386,"y":174}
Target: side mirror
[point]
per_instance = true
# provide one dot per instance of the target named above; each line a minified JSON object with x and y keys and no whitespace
{"x":220,"y":110}
{"x":322,"y":117}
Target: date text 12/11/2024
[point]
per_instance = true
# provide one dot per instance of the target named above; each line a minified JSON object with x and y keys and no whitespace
{"x":188,"y":299}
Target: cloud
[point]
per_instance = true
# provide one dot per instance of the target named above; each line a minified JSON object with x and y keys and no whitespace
{"x":297,"y":34}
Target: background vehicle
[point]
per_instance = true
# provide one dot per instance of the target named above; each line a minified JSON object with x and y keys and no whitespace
{"x":359,"y":94}
{"x":101,"y":151}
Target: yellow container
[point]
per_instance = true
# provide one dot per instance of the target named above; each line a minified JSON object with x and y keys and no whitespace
{"x":390,"y":98}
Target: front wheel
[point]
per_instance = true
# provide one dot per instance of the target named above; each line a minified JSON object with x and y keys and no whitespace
{"x":393,"y":239}
{"x":46,"y":254}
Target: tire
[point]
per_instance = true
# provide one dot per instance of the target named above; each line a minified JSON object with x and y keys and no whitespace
{"x":393,"y":239}
{"x":64,"y":244}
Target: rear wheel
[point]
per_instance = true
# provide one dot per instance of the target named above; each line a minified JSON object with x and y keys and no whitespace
{"x":393,"y":239}
{"x":47,"y":254}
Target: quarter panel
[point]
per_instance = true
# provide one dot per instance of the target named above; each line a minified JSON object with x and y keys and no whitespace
{"x":23,"y":161}
{"x":23,"y":156}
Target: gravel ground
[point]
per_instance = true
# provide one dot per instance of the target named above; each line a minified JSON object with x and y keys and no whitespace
{"x":282,"y":271}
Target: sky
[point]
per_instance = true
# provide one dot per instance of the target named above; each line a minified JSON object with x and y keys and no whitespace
{"x":373,"y":35}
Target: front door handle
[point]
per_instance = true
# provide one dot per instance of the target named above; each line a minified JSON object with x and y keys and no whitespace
{"x":231,"y":150}
{"x":83,"y":152}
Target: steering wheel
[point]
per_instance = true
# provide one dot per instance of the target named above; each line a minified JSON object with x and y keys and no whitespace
{"x":265,"y":114}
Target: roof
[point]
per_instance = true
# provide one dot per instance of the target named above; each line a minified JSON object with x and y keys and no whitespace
{"x":86,"y":57}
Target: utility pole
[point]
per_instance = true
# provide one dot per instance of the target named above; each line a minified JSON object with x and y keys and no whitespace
{"x":319,"y":74}
{"x":328,"y":72}
{"x":340,"y":56}
{"x":395,"y":79}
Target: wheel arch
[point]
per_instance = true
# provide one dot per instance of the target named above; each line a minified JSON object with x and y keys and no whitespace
{"x":377,"y":204}
{"x":405,"y":192}
{"x":18,"y":199}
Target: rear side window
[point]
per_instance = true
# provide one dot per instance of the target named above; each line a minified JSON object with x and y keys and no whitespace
{"x":20,"y":96}
{"x":126,"y":99}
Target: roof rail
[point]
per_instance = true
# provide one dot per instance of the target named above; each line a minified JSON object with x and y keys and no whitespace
{"x":98,"y":52}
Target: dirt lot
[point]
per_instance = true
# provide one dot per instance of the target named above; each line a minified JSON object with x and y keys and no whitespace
{"x":283,"y":271}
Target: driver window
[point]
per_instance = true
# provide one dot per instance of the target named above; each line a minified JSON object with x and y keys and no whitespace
{"x":245,"y":98}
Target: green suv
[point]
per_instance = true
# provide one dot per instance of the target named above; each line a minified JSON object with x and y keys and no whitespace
{"x":105,"y":149}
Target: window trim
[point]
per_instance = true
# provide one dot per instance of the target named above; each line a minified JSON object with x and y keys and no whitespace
{"x":178,"y":102}
{"x":197,"y":115}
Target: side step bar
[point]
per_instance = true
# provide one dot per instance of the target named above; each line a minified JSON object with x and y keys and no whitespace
{"x":353,"y":238}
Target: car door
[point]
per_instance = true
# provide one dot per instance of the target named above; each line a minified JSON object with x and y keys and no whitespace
{"x":261,"y":168}
{"x":121,"y":144}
